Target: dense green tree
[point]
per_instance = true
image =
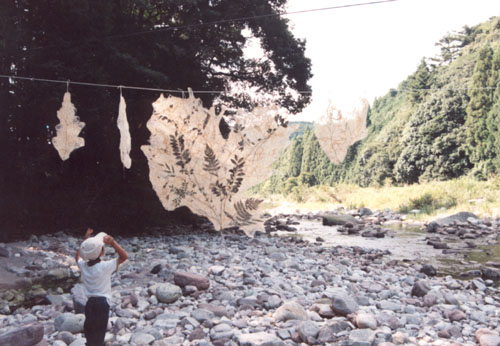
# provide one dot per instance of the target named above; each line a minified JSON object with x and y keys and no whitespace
{"x":158,"y":44}
{"x":493,"y":117}
{"x":480,"y":143}
{"x":439,"y":133}
{"x":433,"y":140}
{"x":420,"y":82}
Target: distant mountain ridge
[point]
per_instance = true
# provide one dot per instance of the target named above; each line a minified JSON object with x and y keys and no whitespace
{"x":441,"y":122}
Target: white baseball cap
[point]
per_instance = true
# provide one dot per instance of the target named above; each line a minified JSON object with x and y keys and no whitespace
{"x":91,"y":248}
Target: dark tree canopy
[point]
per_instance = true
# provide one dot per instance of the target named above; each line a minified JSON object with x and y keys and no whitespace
{"x":156,"y":44}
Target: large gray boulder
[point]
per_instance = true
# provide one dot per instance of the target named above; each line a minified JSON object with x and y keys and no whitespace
{"x":420,"y":288}
{"x":362,"y":336}
{"x":307,"y":330}
{"x":142,"y":339}
{"x":184,"y":279}
{"x":338,"y":220}
{"x":25,"y":336}
{"x":342,"y":303}
{"x":69,"y":322}
{"x":487,"y":337}
{"x":168,"y":293}
{"x":290,"y":311}
{"x":458,"y":217}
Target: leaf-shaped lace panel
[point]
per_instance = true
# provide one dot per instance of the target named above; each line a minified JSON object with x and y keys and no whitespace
{"x":125,"y":141}
{"x":68,"y":129}
{"x":191,"y":164}
{"x":336,"y":130}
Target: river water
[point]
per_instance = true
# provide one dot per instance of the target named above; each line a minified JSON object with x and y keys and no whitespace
{"x":405,"y":242}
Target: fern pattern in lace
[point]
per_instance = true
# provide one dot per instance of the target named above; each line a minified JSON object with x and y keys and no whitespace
{"x":191,"y":164}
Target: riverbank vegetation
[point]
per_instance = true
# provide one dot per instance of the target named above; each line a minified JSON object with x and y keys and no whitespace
{"x":419,"y":201}
{"x":433,"y":142}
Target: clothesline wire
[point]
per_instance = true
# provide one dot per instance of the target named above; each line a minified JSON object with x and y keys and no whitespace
{"x":67,"y":82}
{"x":224,"y":21}
{"x":178,"y":91}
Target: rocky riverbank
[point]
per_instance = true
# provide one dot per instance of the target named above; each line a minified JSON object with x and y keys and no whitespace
{"x":197,"y":288}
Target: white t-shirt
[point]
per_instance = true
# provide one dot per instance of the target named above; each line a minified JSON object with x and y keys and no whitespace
{"x":97,"y":278}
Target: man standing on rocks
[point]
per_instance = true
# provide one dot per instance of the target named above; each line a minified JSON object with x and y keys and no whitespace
{"x":96,"y":277}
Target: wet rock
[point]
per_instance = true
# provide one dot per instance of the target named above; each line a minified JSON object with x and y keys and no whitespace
{"x":364,"y":211}
{"x":428,"y":270}
{"x":23,"y":336}
{"x":432,"y":227}
{"x":490,"y":273}
{"x":338,"y":220}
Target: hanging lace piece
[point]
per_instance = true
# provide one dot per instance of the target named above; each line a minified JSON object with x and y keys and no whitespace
{"x":125,"y":141}
{"x":68,"y":129}
{"x":191,"y":164}
{"x":337,"y":130}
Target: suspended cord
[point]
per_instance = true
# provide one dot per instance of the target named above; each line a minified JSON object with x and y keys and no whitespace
{"x":67,"y":82}
{"x":182,"y":92}
{"x":223,"y":21}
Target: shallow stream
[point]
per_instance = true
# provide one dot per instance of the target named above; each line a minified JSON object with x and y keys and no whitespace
{"x":405,"y":242}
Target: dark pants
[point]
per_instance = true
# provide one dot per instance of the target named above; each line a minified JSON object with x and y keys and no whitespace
{"x":96,"y":320}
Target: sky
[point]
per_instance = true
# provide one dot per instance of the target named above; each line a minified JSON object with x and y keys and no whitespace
{"x":364,"y":51}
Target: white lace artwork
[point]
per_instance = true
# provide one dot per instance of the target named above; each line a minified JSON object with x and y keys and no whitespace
{"x":68,"y":129}
{"x":191,"y":164}
{"x":125,"y":140}
{"x":337,"y":130}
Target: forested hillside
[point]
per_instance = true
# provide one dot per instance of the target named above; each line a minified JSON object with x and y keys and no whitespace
{"x":442,"y":122}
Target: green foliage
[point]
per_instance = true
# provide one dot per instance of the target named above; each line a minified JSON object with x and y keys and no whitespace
{"x":432,"y":140}
{"x":428,"y":203}
{"x":97,"y":41}
{"x":419,"y":82}
{"x":442,"y":122}
{"x":480,"y":143}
